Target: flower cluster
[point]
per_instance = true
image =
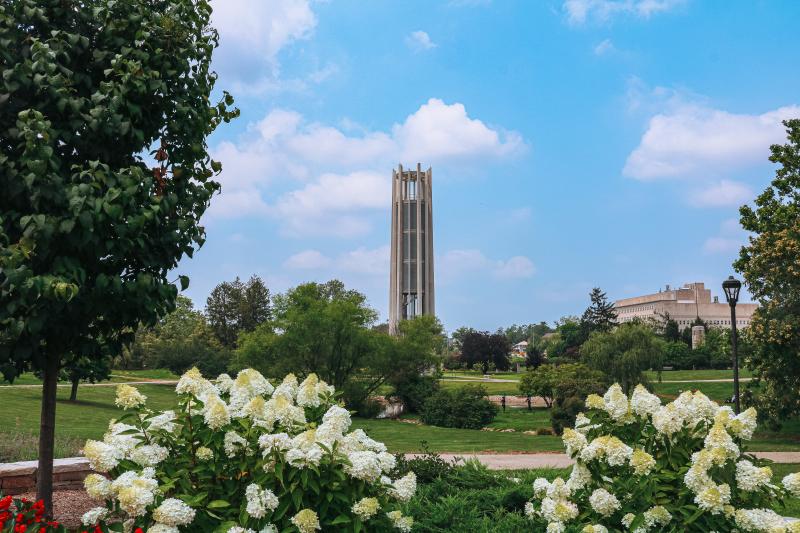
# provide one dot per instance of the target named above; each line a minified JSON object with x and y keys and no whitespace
{"x":642,"y":466}
{"x":246,"y":456}
{"x":24,"y":516}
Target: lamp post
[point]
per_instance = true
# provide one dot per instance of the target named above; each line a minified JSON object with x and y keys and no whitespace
{"x":731,"y":286}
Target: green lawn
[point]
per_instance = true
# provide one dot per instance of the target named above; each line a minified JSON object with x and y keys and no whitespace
{"x":522,"y":419}
{"x":491,"y":388}
{"x":117,"y":376}
{"x":717,"y":391}
{"x":697,"y":374}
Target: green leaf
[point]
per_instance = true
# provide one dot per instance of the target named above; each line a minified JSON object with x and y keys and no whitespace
{"x":184,"y":282}
{"x":341,"y":519}
{"x":217,"y":504}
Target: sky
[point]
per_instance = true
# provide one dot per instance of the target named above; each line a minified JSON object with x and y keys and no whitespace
{"x":574,"y":144}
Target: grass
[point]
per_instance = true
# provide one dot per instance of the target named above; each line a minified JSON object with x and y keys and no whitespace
{"x":509,"y":389}
{"x":522,"y":419}
{"x":717,"y":391}
{"x":117,"y":376}
{"x":691,"y":375}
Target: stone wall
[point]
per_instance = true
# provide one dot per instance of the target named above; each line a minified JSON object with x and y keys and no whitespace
{"x":16,"y":478}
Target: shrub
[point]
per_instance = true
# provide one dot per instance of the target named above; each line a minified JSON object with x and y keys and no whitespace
{"x":414,"y":390}
{"x":427,"y":466}
{"x":369,"y":408}
{"x":465,"y":407}
{"x":641,"y":466}
{"x":241,"y":455}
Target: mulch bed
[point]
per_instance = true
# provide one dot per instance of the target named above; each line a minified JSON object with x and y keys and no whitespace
{"x":68,"y":505}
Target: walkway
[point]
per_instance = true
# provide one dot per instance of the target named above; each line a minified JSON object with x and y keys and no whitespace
{"x":526,"y":461}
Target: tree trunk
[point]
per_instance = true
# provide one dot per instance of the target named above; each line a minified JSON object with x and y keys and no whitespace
{"x":47,"y":426}
{"x":73,"y":393}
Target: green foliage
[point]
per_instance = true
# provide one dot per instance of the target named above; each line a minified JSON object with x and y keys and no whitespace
{"x":89,"y":231}
{"x":551,"y":382}
{"x":88,"y":369}
{"x":465,"y":407}
{"x":414,"y":390}
{"x":481,"y":348}
{"x":769,"y":266}
{"x":234,"y":307}
{"x":326,"y":329}
{"x":570,"y":336}
{"x":534,"y":354}
{"x":427,"y":465}
{"x":624,"y":353}
{"x":181,"y":340}
{"x":564,"y":413}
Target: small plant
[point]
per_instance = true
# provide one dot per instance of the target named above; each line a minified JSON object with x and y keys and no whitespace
{"x":427,"y":466}
{"x":20,"y":515}
{"x":642,"y":466}
{"x":241,"y":456}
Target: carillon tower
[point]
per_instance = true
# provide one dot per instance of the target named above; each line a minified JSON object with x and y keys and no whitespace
{"x":411,"y":273}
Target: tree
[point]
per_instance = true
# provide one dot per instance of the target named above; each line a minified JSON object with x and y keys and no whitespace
{"x":481,"y":347}
{"x":459,"y":335}
{"x":234,"y":307}
{"x":671,"y":331}
{"x":88,"y":369}
{"x":571,"y":335}
{"x":540,"y":382}
{"x":769,"y":264}
{"x":624,"y":353}
{"x":600,"y":315}
{"x":534,"y":354}
{"x":89,"y":231}
{"x":181,"y":340}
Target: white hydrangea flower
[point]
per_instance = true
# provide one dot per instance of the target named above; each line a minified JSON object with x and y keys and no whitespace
{"x":530,"y":510}
{"x":287,"y":388}
{"x":192,"y":382}
{"x":129,"y":397}
{"x":306,"y":521}
{"x":750,"y":478}
{"x":234,"y":443}
{"x":204,"y":454}
{"x":102,"y":457}
{"x":657,"y":516}
{"x":556,"y":527}
{"x":149,"y":454}
{"x":307,"y":395}
{"x":366,"y":508}
{"x":744,"y":424}
{"x":573,"y":441}
{"x":224,"y":382}
{"x":93,"y":516}
{"x":404,"y":488}
{"x":615,"y":402}
{"x":792,"y":484}
{"x":593,"y":401}
{"x":359,"y":441}
{"x":135,"y":491}
{"x":627,"y":520}
{"x":719,"y":438}
{"x":559,"y":510}
{"x":403,"y":523}
{"x":123,"y":437}
{"x":583,"y":424}
{"x":668,"y":420}
{"x":558,"y":490}
{"x":364,"y":465}
{"x":164,"y":421}
{"x":644,"y":403}
{"x":760,"y":520}
{"x":281,"y":409}
{"x":238,"y":529}
{"x":642,"y":462}
{"x":98,"y":487}
{"x":216,"y":412}
{"x":579,"y":477}
{"x":259,"y":501}
{"x":277,"y":441}
{"x":248,"y":384}
{"x":713,"y":498}
{"x":697,"y":479}
{"x":173,"y":512}
{"x":603,"y":502}
{"x":595,"y":528}
{"x":162,"y":528}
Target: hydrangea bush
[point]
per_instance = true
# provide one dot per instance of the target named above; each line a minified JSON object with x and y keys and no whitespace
{"x":241,"y":456}
{"x":642,"y":466}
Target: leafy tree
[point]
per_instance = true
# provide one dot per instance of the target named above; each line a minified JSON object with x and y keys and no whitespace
{"x":481,"y":347}
{"x":518,"y":333}
{"x":539,"y":330}
{"x":624,"y":353}
{"x":534,"y":354}
{"x":769,"y":265}
{"x":600,"y":315}
{"x":459,"y":335}
{"x":575,"y":383}
{"x":181,"y":340}
{"x":551,"y":381}
{"x":671,"y":331}
{"x":88,"y":229}
{"x":233,"y":307}
{"x":540,"y":382}
{"x":571,"y":335}
{"x":88,"y":369}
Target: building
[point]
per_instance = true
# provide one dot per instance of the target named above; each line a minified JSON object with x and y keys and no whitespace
{"x":684,"y":305}
{"x":411,"y":288}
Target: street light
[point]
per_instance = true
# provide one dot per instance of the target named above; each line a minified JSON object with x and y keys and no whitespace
{"x":732,"y":286}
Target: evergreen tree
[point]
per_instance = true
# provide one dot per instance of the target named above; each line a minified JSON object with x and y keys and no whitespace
{"x":233,"y":307}
{"x":600,"y":315}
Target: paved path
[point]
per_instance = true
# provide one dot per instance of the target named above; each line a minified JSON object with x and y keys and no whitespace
{"x":559,"y":460}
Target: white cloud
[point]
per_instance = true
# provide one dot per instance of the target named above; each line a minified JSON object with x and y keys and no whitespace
{"x":362,"y":261}
{"x":252,"y":32}
{"x":456,"y":263}
{"x":692,"y":140}
{"x":308,"y":259}
{"x":419,"y":41}
{"x":604,"y":47}
{"x":344,"y":173}
{"x":579,"y":11}
{"x":725,"y":193}
{"x":514,"y":268}
{"x":730,"y":238}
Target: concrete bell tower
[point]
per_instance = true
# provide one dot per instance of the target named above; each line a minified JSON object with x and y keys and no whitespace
{"x":411,"y":289}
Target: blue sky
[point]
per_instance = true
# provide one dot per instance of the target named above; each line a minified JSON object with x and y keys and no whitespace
{"x":574,"y":144}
